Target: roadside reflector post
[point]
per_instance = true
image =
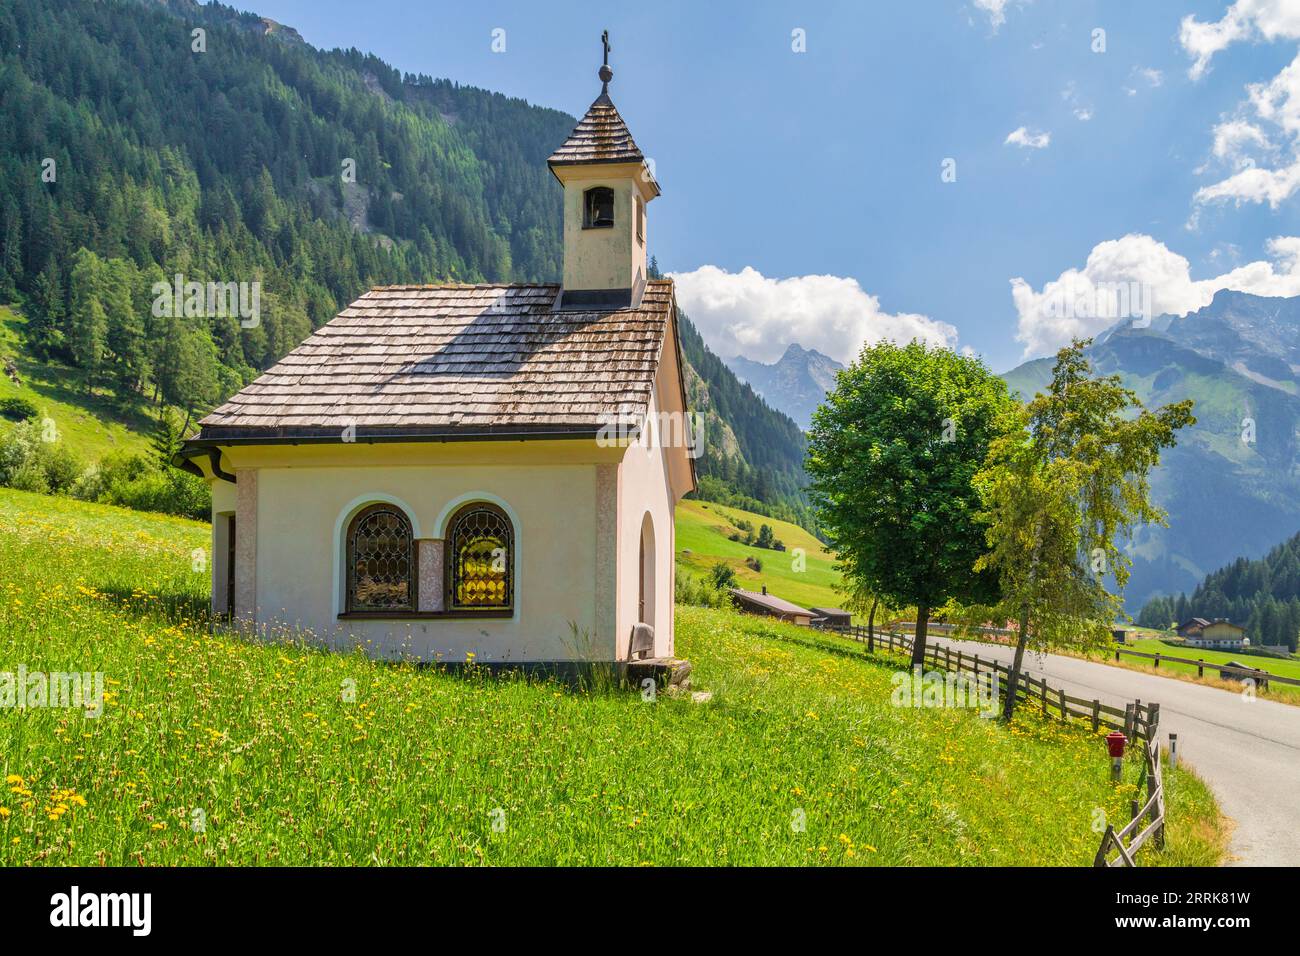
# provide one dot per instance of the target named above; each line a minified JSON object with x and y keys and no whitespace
{"x":1173,"y":750}
{"x":1115,"y":742}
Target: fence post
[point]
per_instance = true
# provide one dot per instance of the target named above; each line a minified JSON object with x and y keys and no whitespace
{"x":1157,"y":659}
{"x":1200,"y":667}
{"x":1117,"y":655}
{"x":1128,"y":721}
{"x":1065,"y":714}
{"x":1044,"y":693}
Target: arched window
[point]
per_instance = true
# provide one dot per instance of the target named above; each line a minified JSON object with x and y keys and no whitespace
{"x":381,"y":560}
{"x":598,"y":208}
{"x":480,"y":560}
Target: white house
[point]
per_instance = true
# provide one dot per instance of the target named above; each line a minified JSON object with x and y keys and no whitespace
{"x":1219,"y":633}
{"x":449,"y":470}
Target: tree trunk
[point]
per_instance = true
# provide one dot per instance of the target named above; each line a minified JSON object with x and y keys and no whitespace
{"x":1022,"y":635}
{"x":871,"y":626}
{"x":918,"y":640}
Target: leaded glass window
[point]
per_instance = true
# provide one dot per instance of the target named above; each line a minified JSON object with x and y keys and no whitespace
{"x":481,"y":557}
{"x":381,"y":561}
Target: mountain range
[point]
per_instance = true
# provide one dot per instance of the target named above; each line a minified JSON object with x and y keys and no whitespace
{"x":1232,"y":485}
{"x":796,"y":383}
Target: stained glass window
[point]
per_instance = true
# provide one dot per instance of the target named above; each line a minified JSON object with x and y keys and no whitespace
{"x":481,"y":560}
{"x":381,"y":561}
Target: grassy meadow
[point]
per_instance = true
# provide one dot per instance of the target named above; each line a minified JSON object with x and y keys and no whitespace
{"x":213,"y":749}
{"x":703,"y":530}
{"x":90,"y":424}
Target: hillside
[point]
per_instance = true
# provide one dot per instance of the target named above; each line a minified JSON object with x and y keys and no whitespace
{"x":91,"y":425}
{"x":1232,"y":486}
{"x":704,"y":533}
{"x":215,"y":750}
{"x":317,"y":174}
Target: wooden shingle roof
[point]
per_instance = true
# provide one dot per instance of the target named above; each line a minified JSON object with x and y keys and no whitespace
{"x":600,"y":137}
{"x":457,"y":361}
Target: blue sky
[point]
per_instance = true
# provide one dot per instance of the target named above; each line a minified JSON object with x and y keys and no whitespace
{"x":828,"y":162}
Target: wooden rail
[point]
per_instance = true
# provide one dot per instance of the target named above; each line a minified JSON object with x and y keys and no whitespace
{"x":1138,"y":721}
{"x":1261,"y":678}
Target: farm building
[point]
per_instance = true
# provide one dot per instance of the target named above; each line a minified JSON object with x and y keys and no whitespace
{"x":1219,"y":633}
{"x":488,"y":470}
{"x":755,"y":602}
{"x":833,"y":616}
{"x":1192,"y":627}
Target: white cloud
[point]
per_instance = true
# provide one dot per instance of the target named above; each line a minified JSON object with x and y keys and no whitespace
{"x":996,"y":11}
{"x":1236,"y":140}
{"x":1082,"y":112}
{"x":1163,"y":275}
{"x":1253,"y":185}
{"x":1241,"y":144}
{"x":747,"y":313}
{"x":1022,"y":137}
{"x":1153,"y":76}
{"x":1244,"y":20}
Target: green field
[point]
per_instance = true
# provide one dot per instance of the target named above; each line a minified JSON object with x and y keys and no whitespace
{"x":1282,"y":667}
{"x":702,"y":540}
{"x":90,"y":424}
{"x":429,"y":767}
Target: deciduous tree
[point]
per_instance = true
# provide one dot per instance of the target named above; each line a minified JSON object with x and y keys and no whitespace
{"x":1059,"y":493}
{"x":892,"y":454}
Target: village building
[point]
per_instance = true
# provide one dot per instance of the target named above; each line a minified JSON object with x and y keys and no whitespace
{"x":487,"y":471}
{"x":1219,"y":633}
{"x":832,"y":616}
{"x":756,"y":602}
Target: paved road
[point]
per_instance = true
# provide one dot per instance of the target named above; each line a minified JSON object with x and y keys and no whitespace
{"x":1247,"y":751}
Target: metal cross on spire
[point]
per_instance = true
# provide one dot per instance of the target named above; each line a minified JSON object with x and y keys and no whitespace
{"x":606,"y":74}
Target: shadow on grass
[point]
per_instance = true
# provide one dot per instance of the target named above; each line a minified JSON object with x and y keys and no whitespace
{"x":169,"y":605}
{"x":826,"y":647}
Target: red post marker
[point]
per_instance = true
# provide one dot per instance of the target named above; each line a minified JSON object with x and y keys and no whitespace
{"x":1115,"y":742}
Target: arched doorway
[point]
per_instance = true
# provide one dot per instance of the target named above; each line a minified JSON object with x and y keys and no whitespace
{"x":646,"y":603}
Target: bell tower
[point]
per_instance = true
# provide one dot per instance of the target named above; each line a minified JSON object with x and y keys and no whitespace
{"x":607,"y":185}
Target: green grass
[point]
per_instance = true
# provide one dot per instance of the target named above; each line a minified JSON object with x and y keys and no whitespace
{"x":414,"y":770}
{"x":703,"y":528}
{"x":91,"y":425}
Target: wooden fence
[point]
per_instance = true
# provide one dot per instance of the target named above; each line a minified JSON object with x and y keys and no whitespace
{"x":1261,"y":678}
{"x":1138,"y":721}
